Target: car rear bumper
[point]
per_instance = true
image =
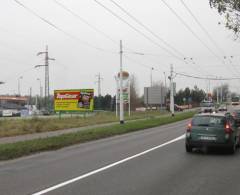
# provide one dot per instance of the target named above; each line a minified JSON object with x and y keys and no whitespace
{"x":199,"y":144}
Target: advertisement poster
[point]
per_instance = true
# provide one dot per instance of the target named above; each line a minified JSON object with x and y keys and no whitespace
{"x":74,"y":100}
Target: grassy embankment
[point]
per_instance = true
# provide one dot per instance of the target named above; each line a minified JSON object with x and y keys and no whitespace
{"x":13,"y":127}
{"x":15,"y":150}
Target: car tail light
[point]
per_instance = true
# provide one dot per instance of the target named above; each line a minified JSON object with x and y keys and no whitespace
{"x":234,"y":114}
{"x":189,"y":127}
{"x":228,"y":129}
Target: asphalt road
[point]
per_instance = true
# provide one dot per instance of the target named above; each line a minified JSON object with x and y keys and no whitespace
{"x":119,"y":165}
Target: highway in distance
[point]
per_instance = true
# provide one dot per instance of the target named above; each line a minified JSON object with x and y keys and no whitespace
{"x":151,"y":161}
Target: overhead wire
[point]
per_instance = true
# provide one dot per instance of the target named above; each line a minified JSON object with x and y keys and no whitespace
{"x":129,"y":51}
{"x":138,"y":31}
{"x":60,"y":29}
{"x":183,"y":59}
{"x":63,"y":6}
{"x":126,"y":50}
{"x":205,"y":31}
{"x":144,"y":65}
{"x":73,"y":13}
{"x":202,"y":27}
{"x":157,"y":36}
{"x":146,"y":28}
{"x":207,"y":78}
{"x":192,"y":32}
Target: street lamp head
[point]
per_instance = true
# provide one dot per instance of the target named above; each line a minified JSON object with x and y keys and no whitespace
{"x":39,"y":53}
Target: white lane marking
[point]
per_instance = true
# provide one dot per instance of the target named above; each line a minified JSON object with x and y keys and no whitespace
{"x":107,"y":167}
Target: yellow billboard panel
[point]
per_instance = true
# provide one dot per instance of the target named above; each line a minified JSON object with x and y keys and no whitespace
{"x":74,"y":100}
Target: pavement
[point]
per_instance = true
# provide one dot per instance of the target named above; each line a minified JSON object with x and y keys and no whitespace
{"x":146,"y":162}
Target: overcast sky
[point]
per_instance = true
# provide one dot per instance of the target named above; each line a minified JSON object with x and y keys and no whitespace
{"x":82,"y":52}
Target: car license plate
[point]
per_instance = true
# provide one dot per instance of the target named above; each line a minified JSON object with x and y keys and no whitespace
{"x":208,"y":138}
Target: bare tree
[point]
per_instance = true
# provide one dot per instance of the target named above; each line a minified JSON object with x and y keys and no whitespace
{"x":134,"y":94}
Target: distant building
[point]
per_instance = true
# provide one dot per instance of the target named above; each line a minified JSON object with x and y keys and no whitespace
{"x":13,"y":102}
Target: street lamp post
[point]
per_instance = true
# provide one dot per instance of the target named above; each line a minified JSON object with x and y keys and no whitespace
{"x":121,"y":106}
{"x":151,"y":80}
{"x":19,"y":89}
{"x":40,"y":87}
{"x":121,"y":87}
{"x":40,"y":93}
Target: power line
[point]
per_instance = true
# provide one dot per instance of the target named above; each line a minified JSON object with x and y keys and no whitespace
{"x":107,"y":36}
{"x":138,"y":31}
{"x":84,"y":21}
{"x":146,"y":28}
{"x":58,"y":28}
{"x":206,"y":32}
{"x":189,"y":28}
{"x":154,"y":34}
{"x":92,"y":26}
{"x":207,"y":78}
{"x":202,"y":27}
{"x":141,"y":64}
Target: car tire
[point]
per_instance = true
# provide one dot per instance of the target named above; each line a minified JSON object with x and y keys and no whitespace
{"x":188,"y":148}
{"x":232,"y":149}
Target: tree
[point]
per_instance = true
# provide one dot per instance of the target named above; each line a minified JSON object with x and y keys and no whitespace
{"x":103,"y":102}
{"x":223,"y":92}
{"x":193,"y":96}
{"x":231,"y":11}
{"x":134,"y":97}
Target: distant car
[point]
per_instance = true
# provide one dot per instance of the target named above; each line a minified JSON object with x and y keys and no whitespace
{"x":177,"y":108}
{"x":235,"y":100}
{"x":212,"y":130}
{"x":236,"y":116}
{"x":207,"y":106}
{"x":222,"y":108}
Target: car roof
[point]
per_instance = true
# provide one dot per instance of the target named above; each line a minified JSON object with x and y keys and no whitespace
{"x":211,"y":114}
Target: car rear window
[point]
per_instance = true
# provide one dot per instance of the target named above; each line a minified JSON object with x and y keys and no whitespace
{"x":206,"y":104}
{"x":209,"y":121}
{"x":237,"y":112}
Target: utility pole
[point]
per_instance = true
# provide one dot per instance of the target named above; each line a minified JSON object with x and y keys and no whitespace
{"x":121,"y":86}
{"x":165,"y":90}
{"x":19,"y":88}
{"x":40,"y":87}
{"x":221,"y":93}
{"x":151,"y":80}
{"x":30,"y":96}
{"x":99,"y":83}
{"x":117,"y":87}
{"x":171,"y":91}
{"x":46,"y":65}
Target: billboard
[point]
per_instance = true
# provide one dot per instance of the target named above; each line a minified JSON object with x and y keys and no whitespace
{"x":154,"y":95}
{"x":74,"y":100}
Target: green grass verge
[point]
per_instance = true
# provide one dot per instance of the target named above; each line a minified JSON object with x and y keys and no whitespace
{"x":14,"y":127}
{"x":15,"y":150}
